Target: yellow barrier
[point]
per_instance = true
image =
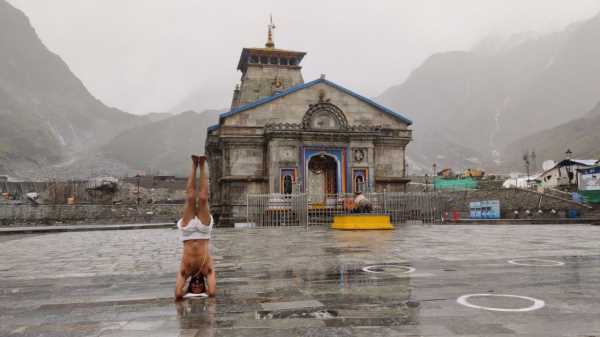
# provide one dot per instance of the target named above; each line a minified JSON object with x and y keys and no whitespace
{"x":361,"y":221}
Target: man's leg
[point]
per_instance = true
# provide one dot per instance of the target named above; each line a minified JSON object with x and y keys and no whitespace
{"x":211,"y":279}
{"x":190,"y":194}
{"x":203,"y":211}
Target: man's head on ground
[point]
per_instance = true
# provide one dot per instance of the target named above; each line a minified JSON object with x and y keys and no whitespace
{"x":197,"y":285}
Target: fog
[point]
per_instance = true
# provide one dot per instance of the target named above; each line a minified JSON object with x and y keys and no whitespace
{"x":149,"y":55}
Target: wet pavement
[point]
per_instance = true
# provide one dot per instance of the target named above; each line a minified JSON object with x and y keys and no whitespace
{"x":417,"y":280}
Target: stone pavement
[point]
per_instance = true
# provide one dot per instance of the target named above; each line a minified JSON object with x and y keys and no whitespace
{"x":11,"y":230}
{"x":290,"y":282}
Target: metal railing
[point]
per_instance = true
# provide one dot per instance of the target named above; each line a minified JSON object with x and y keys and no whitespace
{"x":301,"y":209}
{"x":425,"y":207}
{"x":322,"y":209}
{"x":274,"y":209}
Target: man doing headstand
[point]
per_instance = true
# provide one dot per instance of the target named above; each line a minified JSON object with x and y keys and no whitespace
{"x":195,"y":228}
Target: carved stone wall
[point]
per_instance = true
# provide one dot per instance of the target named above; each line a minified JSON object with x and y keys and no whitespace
{"x":292,"y":108}
{"x":254,"y":147}
{"x":264,"y":80}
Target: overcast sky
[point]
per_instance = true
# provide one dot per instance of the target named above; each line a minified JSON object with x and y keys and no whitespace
{"x":149,"y":55}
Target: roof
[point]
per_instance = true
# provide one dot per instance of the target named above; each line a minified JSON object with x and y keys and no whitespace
{"x":571,"y":162}
{"x":301,"y":86}
{"x":212,"y":127}
{"x":588,"y":162}
{"x":591,"y":169}
{"x":584,"y":162}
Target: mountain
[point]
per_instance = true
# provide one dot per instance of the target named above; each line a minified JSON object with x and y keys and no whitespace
{"x":47,"y":116}
{"x":163,"y":146}
{"x":205,"y":97}
{"x":157,"y":116}
{"x":580,"y":135}
{"x":469,"y":105}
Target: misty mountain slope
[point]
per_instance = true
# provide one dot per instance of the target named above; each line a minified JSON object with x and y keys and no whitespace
{"x":164,"y":145}
{"x":46,"y":113}
{"x":581,"y":136}
{"x":206,"y":98}
{"x":486,"y":98}
{"x":157,"y":116}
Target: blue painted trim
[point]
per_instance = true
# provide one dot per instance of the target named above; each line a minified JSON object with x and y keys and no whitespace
{"x":268,"y":99}
{"x":349,"y":179}
{"x":301,"y":86}
{"x":212,"y":127}
{"x":302,"y":173}
{"x":336,"y":153}
{"x":371,"y":102}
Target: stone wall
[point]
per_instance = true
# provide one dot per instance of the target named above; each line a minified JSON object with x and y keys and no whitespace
{"x":511,"y":200}
{"x":14,"y":215}
{"x":152,"y":189}
{"x":259,"y":81}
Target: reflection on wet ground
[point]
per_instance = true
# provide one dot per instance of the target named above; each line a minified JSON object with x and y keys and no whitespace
{"x":413,"y":281}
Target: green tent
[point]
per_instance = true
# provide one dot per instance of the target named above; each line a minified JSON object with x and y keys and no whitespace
{"x":455,"y":184}
{"x":590,"y":197}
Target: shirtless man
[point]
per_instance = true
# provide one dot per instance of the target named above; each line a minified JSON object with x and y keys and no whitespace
{"x":195,"y":227}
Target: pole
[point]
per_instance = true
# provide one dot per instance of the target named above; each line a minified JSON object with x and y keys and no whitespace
{"x":138,"y":191}
{"x":434,"y":175}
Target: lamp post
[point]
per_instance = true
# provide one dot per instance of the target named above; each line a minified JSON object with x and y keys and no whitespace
{"x":568,"y":154}
{"x":138,"y":190}
{"x":434,"y":175}
{"x":526,"y":160}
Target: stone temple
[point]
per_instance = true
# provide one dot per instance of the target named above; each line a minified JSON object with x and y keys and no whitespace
{"x":285,"y":135}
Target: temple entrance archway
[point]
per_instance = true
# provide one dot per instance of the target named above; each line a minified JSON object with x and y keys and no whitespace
{"x":322,"y":177}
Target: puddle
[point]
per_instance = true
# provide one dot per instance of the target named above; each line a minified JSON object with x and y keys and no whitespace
{"x":582,"y":258}
{"x":345,"y":250}
{"x":388,"y":268}
{"x":536,"y":262}
{"x":299,"y":313}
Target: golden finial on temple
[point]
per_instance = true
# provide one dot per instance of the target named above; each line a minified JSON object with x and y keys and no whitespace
{"x":270,"y":43}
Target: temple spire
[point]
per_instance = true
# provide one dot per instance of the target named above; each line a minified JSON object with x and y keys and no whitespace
{"x":270,"y":43}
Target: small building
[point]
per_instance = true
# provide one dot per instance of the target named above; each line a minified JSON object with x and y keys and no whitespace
{"x":446,"y":173}
{"x":284,"y":135}
{"x":588,"y":187}
{"x":521,"y":182}
{"x":589,"y":178}
{"x":564,"y":173}
{"x":475,"y":173}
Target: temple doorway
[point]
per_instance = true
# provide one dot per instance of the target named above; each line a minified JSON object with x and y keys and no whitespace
{"x":322,"y":177}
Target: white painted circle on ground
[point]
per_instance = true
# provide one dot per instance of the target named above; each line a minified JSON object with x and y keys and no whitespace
{"x":537,"y":304}
{"x":369,"y":269}
{"x":536,"y":262}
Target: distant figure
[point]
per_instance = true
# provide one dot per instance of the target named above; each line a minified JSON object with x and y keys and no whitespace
{"x":196,"y":226}
{"x":361,"y":203}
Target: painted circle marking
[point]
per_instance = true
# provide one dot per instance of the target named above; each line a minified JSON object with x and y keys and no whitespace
{"x":369,"y":269}
{"x":541,"y":263}
{"x":537,"y":304}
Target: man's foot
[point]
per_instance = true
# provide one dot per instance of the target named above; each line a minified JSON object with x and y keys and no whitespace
{"x":195,"y":159}
{"x":202,"y":160}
